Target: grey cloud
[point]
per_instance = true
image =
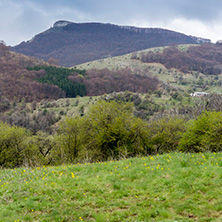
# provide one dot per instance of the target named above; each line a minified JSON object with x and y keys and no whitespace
{"x":33,"y":16}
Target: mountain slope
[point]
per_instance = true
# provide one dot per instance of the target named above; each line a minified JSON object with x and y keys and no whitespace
{"x":76,"y":43}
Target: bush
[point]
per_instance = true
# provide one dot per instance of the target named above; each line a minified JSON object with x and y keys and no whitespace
{"x":11,"y":145}
{"x":165,"y":134}
{"x":116,"y":131}
{"x":203,"y":134}
{"x":19,"y":148}
{"x":69,"y":138}
{"x":39,"y":150}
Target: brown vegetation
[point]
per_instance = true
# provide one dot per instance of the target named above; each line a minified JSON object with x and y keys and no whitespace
{"x":17,"y":81}
{"x":206,"y":59}
{"x":98,"y":82}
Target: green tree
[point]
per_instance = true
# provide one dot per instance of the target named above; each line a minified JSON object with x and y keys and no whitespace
{"x":203,"y":133}
{"x":39,"y":150}
{"x":116,"y":131}
{"x":70,"y":139}
{"x":11,"y":145}
{"x":166,"y":133}
{"x":59,"y":77}
{"x":108,"y":130}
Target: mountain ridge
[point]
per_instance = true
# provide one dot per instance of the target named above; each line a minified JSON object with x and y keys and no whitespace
{"x":75,"y":43}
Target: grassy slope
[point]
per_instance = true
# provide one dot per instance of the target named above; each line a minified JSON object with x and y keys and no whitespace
{"x":153,"y":69}
{"x":125,"y":61}
{"x":170,"y":187}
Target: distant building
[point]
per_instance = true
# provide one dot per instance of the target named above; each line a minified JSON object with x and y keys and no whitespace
{"x":199,"y":94}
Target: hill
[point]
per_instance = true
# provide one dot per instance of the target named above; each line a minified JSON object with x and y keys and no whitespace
{"x":169,"y":187}
{"x":185,"y":67}
{"x":75,"y":43}
{"x":18,"y":82}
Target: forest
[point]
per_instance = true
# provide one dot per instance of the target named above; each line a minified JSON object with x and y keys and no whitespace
{"x":95,"y":82}
{"x":17,"y":82}
{"x":59,"y":77}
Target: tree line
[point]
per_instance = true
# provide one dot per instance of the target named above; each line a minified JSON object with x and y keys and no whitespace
{"x":110,"y":130}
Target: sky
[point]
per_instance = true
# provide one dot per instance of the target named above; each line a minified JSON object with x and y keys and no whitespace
{"x":20,"y":20}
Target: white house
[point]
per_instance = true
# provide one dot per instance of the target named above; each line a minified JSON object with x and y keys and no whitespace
{"x":199,"y":94}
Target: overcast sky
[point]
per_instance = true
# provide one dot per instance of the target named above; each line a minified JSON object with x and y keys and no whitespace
{"x":20,"y":20}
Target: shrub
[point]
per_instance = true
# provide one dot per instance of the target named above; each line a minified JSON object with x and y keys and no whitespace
{"x":69,"y":138}
{"x":165,"y":134}
{"x":203,"y":134}
{"x":19,"y":148}
{"x":116,"y":131}
{"x":11,"y":145}
{"x":39,"y":150}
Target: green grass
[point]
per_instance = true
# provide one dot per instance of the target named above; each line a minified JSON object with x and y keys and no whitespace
{"x":170,"y":187}
{"x":124,"y":61}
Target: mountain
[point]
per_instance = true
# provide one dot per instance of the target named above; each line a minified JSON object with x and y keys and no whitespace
{"x":75,"y":43}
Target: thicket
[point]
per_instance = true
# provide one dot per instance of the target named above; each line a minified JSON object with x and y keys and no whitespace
{"x":18,"y":147}
{"x":11,"y":145}
{"x":109,"y":130}
{"x":203,"y":133}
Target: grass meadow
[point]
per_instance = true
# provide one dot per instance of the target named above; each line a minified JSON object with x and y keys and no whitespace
{"x":169,"y":187}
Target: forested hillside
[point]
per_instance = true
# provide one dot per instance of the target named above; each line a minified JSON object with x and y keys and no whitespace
{"x":136,"y":113}
{"x":95,"y":82}
{"x":206,"y":59}
{"x":75,"y":43}
{"x":16,"y":82}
